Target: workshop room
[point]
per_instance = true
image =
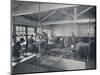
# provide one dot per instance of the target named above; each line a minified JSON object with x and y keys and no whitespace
{"x":52,"y":37}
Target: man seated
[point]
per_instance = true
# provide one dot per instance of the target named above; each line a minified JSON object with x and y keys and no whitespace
{"x":17,"y":48}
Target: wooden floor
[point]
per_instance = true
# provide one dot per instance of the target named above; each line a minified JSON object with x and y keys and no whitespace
{"x":61,"y":63}
{"x":48,"y":64}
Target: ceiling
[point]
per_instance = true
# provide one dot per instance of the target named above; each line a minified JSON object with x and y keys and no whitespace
{"x":51,"y":13}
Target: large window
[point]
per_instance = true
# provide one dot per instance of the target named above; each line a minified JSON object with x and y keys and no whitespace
{"x":20,"y":33}
{"x":30,"y":31}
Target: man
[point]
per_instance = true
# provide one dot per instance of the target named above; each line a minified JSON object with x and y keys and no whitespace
{"x":30,"y":40}
{"x":73,"y":39}
{"x":17,"y":48}
{"x":30,"y":43}
{"x":44,"y":43}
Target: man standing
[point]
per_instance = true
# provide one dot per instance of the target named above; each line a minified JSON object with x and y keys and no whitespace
{"x":30,"y":44}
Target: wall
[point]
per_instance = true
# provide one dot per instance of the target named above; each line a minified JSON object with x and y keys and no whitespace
{"x":78,"y":29}
{"x":22,"y":20}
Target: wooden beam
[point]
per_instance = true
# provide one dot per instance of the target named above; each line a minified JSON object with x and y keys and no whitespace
{"x":14,"y":34}
{"x":48,"y":15}
{"x":87,"y":9}
{"x":18,"y":6}
{"x":66,"y":13}
{"x":92,"y":20}
{"x":69,"y":21}
{"x":75,"y":14}
{"x":74,"y":18}
{"x":26,"y":32}
{"x":34,"y":8}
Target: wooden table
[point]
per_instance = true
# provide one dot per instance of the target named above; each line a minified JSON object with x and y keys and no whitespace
{"x":24,"y":59}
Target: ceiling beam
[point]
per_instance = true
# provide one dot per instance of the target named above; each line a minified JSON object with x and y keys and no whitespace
{"x":48,"y":15}
{"x":66,"y":13}
{"x":35,"y":8}
{"x":87,"y":20}
{"x":75,"y":13}
{"x":87,"y":9}
{"x":18,"y":6}
{"x":30,"y":18}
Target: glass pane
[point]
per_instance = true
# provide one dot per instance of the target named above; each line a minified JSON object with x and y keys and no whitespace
{"x":17,"y":28}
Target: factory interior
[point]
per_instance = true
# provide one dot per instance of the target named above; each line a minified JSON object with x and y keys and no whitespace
{"x":52,"y":37}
